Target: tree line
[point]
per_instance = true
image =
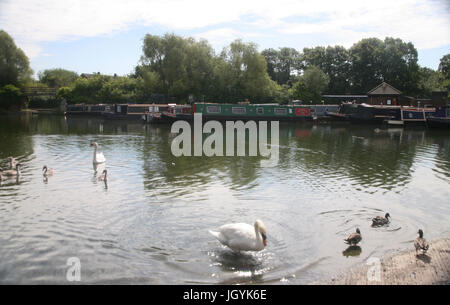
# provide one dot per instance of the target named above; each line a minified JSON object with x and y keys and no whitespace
{"x":186,"y":70}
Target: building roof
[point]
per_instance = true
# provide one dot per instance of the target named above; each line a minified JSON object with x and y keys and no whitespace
{"x":384,"y":89}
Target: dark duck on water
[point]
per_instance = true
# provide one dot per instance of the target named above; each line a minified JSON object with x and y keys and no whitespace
{"x":354,"y":238}
{"x":381,"y":221}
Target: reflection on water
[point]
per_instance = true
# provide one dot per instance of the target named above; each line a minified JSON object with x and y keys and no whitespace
{"x":149,"y":222}
{"x":352,"y":251}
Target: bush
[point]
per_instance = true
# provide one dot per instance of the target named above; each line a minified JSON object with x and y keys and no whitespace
{"x":10,"y":96}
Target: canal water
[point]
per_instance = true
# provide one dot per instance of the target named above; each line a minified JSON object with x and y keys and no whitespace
{"x":149,"y":223}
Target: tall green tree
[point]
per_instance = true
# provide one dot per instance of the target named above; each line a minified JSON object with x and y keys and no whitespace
{"x":310,"y":85}
{"x":282,"y":64}
{"x":391,"y":60}
{"x":335,"y":62}
{"x":57,"y":78}
{"x":243,"y":72}
{"x":444,"y":66}
{"x":14,"y":64}
{"x":184,"y":66}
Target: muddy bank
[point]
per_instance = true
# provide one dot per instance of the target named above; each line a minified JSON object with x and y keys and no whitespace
{"x":403,"y":268}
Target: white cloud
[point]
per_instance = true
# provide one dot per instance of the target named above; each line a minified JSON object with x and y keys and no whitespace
{"x":426,"y":23}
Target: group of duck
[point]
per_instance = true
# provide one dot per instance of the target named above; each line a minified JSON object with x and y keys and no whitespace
{"x":244,"y":237}
{"x":420,"y":243}
{"x":236,"y":236}
{"x":14,"y":167}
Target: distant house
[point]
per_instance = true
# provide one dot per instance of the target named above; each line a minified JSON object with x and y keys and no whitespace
{"x":385,"y":94}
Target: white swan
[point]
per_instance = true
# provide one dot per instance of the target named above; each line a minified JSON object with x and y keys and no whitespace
{"x":11,"y":172}
{"x":242,"y":236}
{"x":98,"y":157}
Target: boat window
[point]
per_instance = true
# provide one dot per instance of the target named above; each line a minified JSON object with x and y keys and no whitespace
{"x":213,"y":109}
{"x":280,"y":111}
{"x":260,"y":110}
{"x":238,"y":110}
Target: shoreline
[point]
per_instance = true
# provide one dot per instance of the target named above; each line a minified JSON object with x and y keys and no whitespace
{"x":402,"y":268}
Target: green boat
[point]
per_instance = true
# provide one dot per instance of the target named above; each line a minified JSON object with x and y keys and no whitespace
{"x":246,"y":112}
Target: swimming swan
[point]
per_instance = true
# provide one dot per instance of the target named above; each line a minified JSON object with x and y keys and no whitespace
{"x":47,"y":171}
{"x":98,"y":157}
{"x":242,"y":236}
{"x":11,"y":172}
{"x":103,"y":176}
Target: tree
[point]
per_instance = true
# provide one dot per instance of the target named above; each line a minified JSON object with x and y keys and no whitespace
{"x":366,"y":57}
{"x":335,"y":62}
{"x":243,"y":73}
{"x":183,"y":65}
{"x":14,"y":64}
{"x":391,"y":60}
{"x":57,"y":78}
{"x":10,"y":95}
{"x":429,"y":80}
{"x":310,"y":85}
{"x":444,"y":66}
{"x":281,"y":64}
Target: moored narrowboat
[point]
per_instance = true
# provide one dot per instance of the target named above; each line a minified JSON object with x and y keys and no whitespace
{"x":177,"y":112}
{"x":369,"y":114}
{"x":256,"y":112}
{"x":440,"y":119}
{"x":134,"y":111}
{"x":87,"y":109}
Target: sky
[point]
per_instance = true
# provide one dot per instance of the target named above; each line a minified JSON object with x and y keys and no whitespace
{"x":106,"y":36}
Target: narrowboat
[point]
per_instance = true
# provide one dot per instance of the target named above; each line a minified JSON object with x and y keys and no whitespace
{"x":344,"y":111}
{"x":440,"y":119}
{"x":87,"y":109}
{"x":256,"y":112}
{"x":177,"y":112}
{"x":369,"y":114}
{"x":133,"y":111}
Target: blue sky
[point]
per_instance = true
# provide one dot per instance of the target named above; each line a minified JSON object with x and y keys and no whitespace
{"x":106,"y":35}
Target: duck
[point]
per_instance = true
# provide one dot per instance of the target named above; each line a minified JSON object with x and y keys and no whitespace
{"x":12,"y":163}
{"x":420,"y":243}
{"x":11,"y":172}
{"x":98,"y":157}
{"x":47,"y":171}
{"x":380,"y":221}
{"x":242,"y":237}
{"x":103,"y":176}
{"x":354,"y":238}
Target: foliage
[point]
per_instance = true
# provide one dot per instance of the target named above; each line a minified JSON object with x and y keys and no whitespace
{"x":335,"y":62}
{"x":14,"y":64}
{"x":282,"y":64}
{"x":391,"y":60}
{"x":10,"y":95}
{"x":310,"y":85}
{"x":444,"y":66}
{"x":56,"y":78}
